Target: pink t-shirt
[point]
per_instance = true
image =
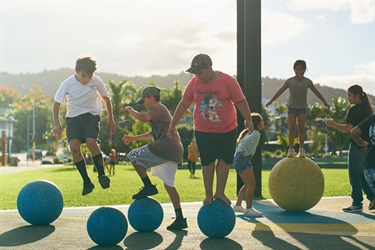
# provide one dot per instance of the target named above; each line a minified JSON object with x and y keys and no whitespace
{"x":214,"y":110}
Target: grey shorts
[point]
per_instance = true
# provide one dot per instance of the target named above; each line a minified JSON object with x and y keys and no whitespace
{"x":164,"y":169}
{"x":292,"y":111}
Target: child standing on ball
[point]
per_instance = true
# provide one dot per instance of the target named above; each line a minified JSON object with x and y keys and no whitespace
{"x":162,"y":156}
{"x":298,"y":86}
{"x":246,"y":147}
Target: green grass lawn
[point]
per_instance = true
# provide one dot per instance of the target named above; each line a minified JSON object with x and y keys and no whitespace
{"x":126,"y":182}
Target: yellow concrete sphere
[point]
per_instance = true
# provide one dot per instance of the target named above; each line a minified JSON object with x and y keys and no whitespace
{"x":296,"y":184}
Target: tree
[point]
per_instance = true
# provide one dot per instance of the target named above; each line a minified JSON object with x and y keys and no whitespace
{"x":171,"y":97}
{"x":8,"y":95}
{"x":338,"y":113}
{"x":122,"y":94}
{"x":282,"y":125}
{"x":314,"y":112}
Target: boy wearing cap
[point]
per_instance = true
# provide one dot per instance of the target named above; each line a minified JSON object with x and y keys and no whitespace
{"x":84,"y":93}
{"x":367,"y":127}
{"x":163,"y":155}
{"x":215,"y":121}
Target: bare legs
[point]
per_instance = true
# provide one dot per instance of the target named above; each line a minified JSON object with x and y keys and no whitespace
{"x":292,"y":118}
{"x":247,"y":190}
{"x":173,"y":195}
{"x":301,"y":130}
{"x":222,"y":171}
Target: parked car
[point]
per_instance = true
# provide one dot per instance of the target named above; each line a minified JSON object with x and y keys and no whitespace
{"x":38,"y":154}
{"x":64,"y":158}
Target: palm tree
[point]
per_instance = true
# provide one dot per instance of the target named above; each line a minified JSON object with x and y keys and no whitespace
{"x":338,"y":113}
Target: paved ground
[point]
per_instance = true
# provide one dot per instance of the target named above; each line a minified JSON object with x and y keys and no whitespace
{"x":324,"y":226}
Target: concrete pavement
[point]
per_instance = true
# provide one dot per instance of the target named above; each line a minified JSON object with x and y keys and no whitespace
{"x":324,"y":226}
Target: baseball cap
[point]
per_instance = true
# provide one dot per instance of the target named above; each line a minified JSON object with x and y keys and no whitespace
{"x":201,"y":61}
{"x":148,"y":91}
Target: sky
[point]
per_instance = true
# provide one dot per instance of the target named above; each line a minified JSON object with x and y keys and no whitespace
{"x":336,"y":38}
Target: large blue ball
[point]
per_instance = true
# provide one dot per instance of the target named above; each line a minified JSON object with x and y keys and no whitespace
{"x":107,"y":226}
{"x":40,"y":202}
{"x":145,"y":214}
{"x":216,"y":220}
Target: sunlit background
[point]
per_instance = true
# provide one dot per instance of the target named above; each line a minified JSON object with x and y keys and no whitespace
{"x":336,"y":38}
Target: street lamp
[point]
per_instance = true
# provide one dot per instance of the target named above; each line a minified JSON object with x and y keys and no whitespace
{"x":33,"y":136}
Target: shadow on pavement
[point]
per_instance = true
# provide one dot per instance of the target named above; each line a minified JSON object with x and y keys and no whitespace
{"x":177,"y":242}
{"x":25,"y":235}
{"x":142,"y":240}
{"x":105,"y":247}
{"x":306,"y":228}
{"x":225,"y":243}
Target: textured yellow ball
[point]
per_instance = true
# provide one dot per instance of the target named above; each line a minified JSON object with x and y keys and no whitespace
{"x":296,"y":184}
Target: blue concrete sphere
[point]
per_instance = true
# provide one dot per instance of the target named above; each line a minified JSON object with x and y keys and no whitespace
{"x":40,"y":202}
{"x":216,"y":220}
{"x":145,"y":214}
{"x":107,"y":226}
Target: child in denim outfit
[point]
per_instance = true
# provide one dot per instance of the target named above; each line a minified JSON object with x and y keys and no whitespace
{"x":246,"y":147}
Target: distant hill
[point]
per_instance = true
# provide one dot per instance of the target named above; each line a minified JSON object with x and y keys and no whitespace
{"x":51,"y":79}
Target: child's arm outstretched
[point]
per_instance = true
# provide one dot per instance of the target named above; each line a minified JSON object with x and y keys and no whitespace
{"x":144,"y":117}
{"x":278,"y":93}
{"x":127,"y":139}
{"x":319,"y":95}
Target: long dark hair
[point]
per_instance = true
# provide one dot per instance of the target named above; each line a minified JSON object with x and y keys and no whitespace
{"x":257,"y":119}
{"x":357,"y":90}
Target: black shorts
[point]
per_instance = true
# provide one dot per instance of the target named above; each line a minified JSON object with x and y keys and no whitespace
{"x":213,"y":146}
{"x":82,"y":127}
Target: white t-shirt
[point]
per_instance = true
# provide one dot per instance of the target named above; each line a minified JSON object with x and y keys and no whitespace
{"x":248,"y":144}
{"x":81,"y":98}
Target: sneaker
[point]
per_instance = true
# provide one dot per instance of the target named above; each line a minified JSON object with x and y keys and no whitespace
{"x":238,"y":209}
{"x":178,"y":224}
{"x":301,"y":153}
{"x":352,"y":209}
{"x":87,"y":188}
{"x":251,"y":212}
{"x":290,"y":153}
{"x":104,"y":181}
{"x":372,"y":205}
{"x":146,"y":191}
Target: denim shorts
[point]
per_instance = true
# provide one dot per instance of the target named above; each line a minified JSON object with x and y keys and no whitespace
{"x":241,"y":162}
{"x":292,"y":111}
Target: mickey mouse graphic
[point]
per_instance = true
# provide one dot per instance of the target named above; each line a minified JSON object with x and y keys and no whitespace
{"x":208,"y":108}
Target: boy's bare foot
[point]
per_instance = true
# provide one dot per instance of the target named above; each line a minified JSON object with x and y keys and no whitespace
{"x":207,"y":201}
{"x":224,"y":199}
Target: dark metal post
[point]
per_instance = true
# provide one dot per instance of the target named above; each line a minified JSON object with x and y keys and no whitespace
{"x":249,"y":70}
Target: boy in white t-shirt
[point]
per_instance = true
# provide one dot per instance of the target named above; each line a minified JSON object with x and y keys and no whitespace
{"x":84,"y":93}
